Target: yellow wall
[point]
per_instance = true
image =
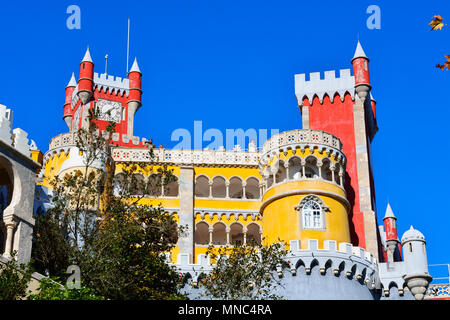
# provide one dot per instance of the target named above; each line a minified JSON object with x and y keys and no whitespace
{"x":282,"y":221}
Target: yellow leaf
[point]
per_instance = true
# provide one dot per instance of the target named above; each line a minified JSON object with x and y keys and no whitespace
{"x":436,"y":23}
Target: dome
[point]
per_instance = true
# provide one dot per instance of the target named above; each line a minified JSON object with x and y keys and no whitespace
{"x":413,"y":234}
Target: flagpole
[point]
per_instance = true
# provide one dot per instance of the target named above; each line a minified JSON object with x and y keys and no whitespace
{"x":128,"y":44}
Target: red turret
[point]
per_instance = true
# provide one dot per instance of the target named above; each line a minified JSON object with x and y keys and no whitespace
{"x":86,"y":81}
{"x":390,"y":226}
{"x":360,"y":64}
{"x":68,"y":101}
{"x":134,"y":96}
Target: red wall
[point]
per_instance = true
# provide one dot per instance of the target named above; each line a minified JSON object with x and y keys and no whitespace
{"x":337,"y":118}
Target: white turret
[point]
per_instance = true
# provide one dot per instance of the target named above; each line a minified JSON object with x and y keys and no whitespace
{"x":416,"y":265}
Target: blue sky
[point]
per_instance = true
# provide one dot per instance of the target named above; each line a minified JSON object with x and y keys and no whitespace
{"x":231,"y":64}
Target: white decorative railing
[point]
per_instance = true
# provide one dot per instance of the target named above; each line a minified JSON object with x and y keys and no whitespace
{"x":305,"y":136}
{"x":438,"y":291}
{"x":200,"y":157}
{"x":63,"y":140}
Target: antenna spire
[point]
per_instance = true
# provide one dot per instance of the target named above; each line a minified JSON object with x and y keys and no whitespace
{"x":106,"y":64}
{"x":128,"y":45}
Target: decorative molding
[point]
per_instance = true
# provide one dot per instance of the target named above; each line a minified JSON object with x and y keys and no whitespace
{"x":188,"y":157}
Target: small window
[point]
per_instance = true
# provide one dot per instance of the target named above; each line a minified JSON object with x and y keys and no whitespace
{"x":312,"y":215}
{"x":410,"y":247}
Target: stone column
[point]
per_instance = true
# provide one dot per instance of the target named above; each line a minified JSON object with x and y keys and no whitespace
{"x":305,"y":116}
{"x":10,"y":226}
{"x":186,"y":240}
{"x":303,"y":169}
{"x":210,"y":229}
{"x":244,"y":184}
{"x":286,"y":166}
{"x":244,"y":230}
{"x":332,"y":174}
{"x":319,"y":166}
{"x":210,"y":183}
{"x":362,"y":162}
{"x":227,"y":187}
{"x":227,"y":230}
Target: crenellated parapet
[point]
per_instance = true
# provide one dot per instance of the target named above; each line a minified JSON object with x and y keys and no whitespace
{"x":352,"y":267}
{"x":112,"y":84}
{"x":329,"y":85}
{"x":17,"y":138}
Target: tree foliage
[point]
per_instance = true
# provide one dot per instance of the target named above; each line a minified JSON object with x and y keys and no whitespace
{"x":244,"y":272}
{"x":14,"y":279}
{"x":50,"y":289}
{"x":105,"y":226}
{"x":437,"y":24}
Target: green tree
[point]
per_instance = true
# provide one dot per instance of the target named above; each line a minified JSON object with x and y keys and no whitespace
{"x":50,"y":289}
{"x":104,"y":226}
{"x":244,"y":272}
{"x":14,"y":279}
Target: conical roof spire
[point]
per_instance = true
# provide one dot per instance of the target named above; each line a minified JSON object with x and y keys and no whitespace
{"x":389,"y":212}
{"x":87,"y":56}
{"x":72,"y":82}
{"x":359,"y":53}
{"x":135,"y":66}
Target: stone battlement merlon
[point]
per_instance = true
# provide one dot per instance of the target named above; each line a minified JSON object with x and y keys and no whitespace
{"x":17,"y":138}
{"x":344,"y":258}
{"x":328,"y":85}
{"x":117,"y":84}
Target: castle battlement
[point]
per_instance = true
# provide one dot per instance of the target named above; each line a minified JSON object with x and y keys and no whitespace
{"x":343,"y":260}
{"x":17,"y":138}
{"x":329,"y":85}
{"x":117,"y":84}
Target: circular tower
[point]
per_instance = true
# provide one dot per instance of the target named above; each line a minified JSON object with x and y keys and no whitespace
{"x":415,"y":257}
{"x":304,"y":196}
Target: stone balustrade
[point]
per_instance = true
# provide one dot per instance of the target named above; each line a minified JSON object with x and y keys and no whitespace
{"x":300,"y":138}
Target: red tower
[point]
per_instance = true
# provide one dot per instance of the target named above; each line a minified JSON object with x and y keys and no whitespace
{"x":86,"y":81}
{"x":70,"y":88}
{"x":115,"y":99}
{"x":360,"y":64}
{"x":340,"y":106}
{"x":390,"y":227}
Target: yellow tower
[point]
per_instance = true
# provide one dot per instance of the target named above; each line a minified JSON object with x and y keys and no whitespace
{"x":304,"y":196}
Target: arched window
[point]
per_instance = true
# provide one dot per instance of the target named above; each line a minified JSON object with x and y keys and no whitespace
{"x":269,"y":181}
{"x":252,"y":190}
{"x":235,"y":188}
{"x":219,"y":188}
{"x":154,"y":188}
{"x":337,"y":178}
{"x":295,"y":169}
{"x":219,"y":234}
{"x":312,"y":211}
{"x":201,"y":235}
{"x":171,"y":189}
{"x":253,"y":234}
{"x":281,"y":174}
{"x":326,"y":171}
{"x":311,"y":169}
{"x":236,"y":233}
{"x":137,"y":186}
{"x":202,"y":186}
{"x":312,"y":215}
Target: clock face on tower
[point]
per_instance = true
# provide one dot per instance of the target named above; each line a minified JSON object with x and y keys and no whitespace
{"x":109,"y":110}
